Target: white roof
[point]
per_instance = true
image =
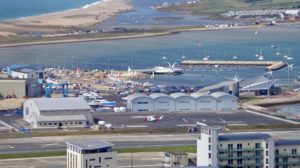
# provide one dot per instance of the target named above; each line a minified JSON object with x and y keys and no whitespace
{"x":136,"y":95}
{"x":200,"y":94}
{"x":158,"y":95}
{"x":221,"y":94}
{"x":179,"y":94}
{"x":55,"y":104}
{"x":90,"y":144}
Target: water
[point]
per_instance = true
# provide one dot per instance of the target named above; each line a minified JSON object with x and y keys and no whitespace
{"x":144,"y":16}
{"x":11,"y":9}
{"x":148,"y":52}
{"x":290,"y":109}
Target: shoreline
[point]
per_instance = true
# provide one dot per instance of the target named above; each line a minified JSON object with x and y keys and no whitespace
{"x":63,"y":20}
{"x":170,"y":31}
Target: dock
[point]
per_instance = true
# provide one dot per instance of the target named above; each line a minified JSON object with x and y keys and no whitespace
{"x":270,"y":65}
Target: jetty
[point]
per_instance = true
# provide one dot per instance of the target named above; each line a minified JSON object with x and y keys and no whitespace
{"x":270,"y":65}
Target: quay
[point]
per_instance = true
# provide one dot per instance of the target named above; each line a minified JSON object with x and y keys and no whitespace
{"x":270,"y":65}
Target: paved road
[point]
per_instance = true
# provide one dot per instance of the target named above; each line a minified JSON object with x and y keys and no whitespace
{"x":140,"y":160}
{"x":58,"y":143}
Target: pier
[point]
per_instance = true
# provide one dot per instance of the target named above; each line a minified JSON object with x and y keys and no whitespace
{"x":270,"y":65}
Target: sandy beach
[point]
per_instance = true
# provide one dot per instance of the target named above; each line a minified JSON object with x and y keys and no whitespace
{"x":80,"y":17}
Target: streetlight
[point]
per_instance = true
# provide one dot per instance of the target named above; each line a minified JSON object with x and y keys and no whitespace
{"x":290,"y":68}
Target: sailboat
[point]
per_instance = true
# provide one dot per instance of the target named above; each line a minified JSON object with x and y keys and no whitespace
{"x":260,"y":57}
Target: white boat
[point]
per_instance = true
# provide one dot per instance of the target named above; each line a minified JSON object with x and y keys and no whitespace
{"x":205,"y":58}
{"x":261,"y":57}
{"x":172,"y":69}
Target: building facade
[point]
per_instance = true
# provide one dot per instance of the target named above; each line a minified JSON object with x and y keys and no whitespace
{"x":19,"y":88}
{"x":57,"y":112}
{"x":90,"y":154}
{"x":182,"y":102}
{"x":250,"y":150}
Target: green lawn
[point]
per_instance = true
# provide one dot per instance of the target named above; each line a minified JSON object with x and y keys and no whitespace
{"x":188,"y":149}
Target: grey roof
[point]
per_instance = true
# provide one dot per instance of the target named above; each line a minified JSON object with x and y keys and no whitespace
{"x":90,"y":144}
{"x":54,"y":104}
{"x":200,"y":94}
{"x":158,"y":95}
{"x":254,"y":80}
{"x":259,"y":86}
{"x":25,"y":70}
{"x":217,"y":86}
{"x":221,"y":94}
{"x":250,"y":136}
{"x":136,"y":95}
{"x":179,"y":94}
{"x":61,"y":118}
{"x":287,"y":142}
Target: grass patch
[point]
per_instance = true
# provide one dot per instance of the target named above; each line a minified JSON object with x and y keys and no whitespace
{"x":188,"y":149}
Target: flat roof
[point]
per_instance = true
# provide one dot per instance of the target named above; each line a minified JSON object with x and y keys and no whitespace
{"x":65,"y":103}
{"x":90,"y":144}
{"x":242,"y":136}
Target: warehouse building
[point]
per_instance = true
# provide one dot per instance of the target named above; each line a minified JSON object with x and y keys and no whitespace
{"x":139,"y":102}
{"x":204,"y":101}
{"x":258,"y":150}
{"x":225,"y":101}
{"x":19,"y":88}
{"x":163,"y":102}
{"x":57,"y":112}
{"x":21,"y":71}
{"x":182,"y":102}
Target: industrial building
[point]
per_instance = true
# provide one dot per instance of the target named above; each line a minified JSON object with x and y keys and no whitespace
{"x":19,"y":88}
{"x":91,"y":154}
{"x":21,"y":71}
{"x":257,"y":150}
{"x":182,"y":102}
{"x":259,"y":86}
{"x":57,"y":112}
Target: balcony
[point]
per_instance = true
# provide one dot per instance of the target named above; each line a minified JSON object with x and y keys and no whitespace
{"x":220,"y":157}
{"x":241,"y":165}
{"x":241,"y":150}
{"x":287,"y":155}
{"x":288,"y":163}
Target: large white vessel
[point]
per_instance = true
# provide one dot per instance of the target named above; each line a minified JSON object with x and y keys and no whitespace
{"x":172,"y":70}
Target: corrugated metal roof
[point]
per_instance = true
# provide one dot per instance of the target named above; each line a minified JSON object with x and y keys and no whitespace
{"x":158,"y":95}
{"x":90,"y":144}
{"x":221,"y":94}
{"x":254,"y":80}
{"x":55,"y":104}
{"x":136,"y":95}
{"x":217,"y":86}
{"x":252,"y":136}
{"x":200,"y":94}
{"x":287,"y":142}
{"x":179,"y":94}
{"x":25,"y":70}
{"x":259,"y":86}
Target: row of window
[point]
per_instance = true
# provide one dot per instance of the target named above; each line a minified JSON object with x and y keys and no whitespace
{"x":59,"y":124}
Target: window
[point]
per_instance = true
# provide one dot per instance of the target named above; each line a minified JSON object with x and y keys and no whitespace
{"x":267,"y":145}
{"x":209,"y":147}
{"x":99,"y":159}
{"x":80,"y":123}
{"x":108,"y":158}
{"x":239,"y":146}
{"x":257,"y":145}
{"x":294,"y":151}
{"x":230,"y":146}
{"x":209,"y":155}
{"x":230,"y":155}
{"x":267,"y":161}
{"x":230,"y":162}
{"x":276,"y":152}
{"x":209,"y":139}
{"x":92,"y":159}
{"x":50,"y":123}
{"x":55,"y":123}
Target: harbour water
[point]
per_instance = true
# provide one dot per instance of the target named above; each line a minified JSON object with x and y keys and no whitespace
{"x":290,"y":109}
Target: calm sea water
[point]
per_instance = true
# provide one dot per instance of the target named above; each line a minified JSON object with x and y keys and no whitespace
{"x":291,"y":109}
{"x":11,"y":9}
{"x":148,"y":52}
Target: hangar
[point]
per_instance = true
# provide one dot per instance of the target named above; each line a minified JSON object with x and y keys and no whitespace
{"x":139,"y":102}
{"x":204,"y":101}
{"x":183,"y":102}
{"x":57,"y":112}
{"x":225,"y":101}
{"x":163,"y":102}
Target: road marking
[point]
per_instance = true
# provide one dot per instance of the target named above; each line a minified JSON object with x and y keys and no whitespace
{"x":136,"y":126}
{"x":6,"y":147}
{"x":52,"y":144}
{"x":185,"y":120}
